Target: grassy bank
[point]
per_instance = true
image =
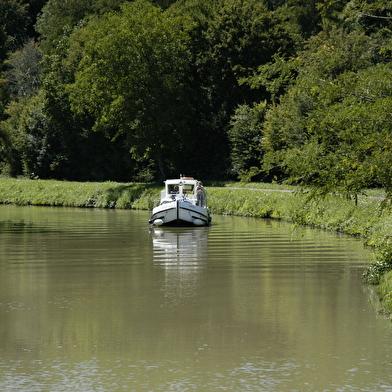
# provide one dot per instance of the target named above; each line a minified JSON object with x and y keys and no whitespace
{"x":77,"y":194}
{"x":366,"y":219}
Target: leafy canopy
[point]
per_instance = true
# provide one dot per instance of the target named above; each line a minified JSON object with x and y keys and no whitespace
{"x":332,"y":129}
{"x":131,"y":78}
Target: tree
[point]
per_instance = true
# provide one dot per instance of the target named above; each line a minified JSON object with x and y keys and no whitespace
{"x":13,"y":25}
{"x":333,"y":125}
{"x":59,"y":17}
{"x":21,"y":82}
{"x":373,"y":16}
{"x":131,"y":80}
{"x":245,"y":139}
{"x":23,"y":70}
{"x":229,"y":41}
{"x":241,"y":36}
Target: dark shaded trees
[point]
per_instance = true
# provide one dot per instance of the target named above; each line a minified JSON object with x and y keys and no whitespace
{"x":14,"y":20}
{"x":229,"y":41}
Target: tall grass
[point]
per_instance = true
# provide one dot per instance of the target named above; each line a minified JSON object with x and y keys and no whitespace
{"x":330,"y":213}
{"x":77,"y":194}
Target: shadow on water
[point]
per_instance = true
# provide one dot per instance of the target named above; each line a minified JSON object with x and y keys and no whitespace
{"x":23,"y":227}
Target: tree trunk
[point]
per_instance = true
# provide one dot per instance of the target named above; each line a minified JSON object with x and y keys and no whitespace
{"x":161,"y":166}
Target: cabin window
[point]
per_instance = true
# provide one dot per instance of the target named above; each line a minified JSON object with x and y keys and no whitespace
{"x":188,"y":188}
{"x":173,"y":188}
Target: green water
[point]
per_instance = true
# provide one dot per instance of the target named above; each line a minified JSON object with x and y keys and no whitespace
{"x":94,"y":300}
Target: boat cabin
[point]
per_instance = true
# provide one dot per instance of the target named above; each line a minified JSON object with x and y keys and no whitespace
{"x":185,"y":187}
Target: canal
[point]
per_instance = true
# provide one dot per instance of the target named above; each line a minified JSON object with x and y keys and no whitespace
{"x":96,"y":301}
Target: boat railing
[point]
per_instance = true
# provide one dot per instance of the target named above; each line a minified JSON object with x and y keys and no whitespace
{"x":205,"y":199}
{"x":201,"y":198}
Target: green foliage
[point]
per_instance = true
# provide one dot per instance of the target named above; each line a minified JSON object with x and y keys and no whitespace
{"x":240,"y":37}
{"x":182,"y":82}
{"x":60,"y":16}
{"x":231,"y":40}
{"x":385,"y":292}
{"x":40,"y":145}
{"x":131,"y":79}
{"x":332,"y":128}
{"x":275,"y":76}
{"x":374,"y":16}
{"x":23,"y":130}
{"x":381,"y":265}
{"x":23,"y":70}
{"x":73,"y":150}
{"x":306,"y":14}
{"x":13,"y":25}
{"x":331,"y":213}
{"x":245,"y":139}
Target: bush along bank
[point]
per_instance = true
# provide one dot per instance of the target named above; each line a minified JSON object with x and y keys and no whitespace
{"x":366,"y":218}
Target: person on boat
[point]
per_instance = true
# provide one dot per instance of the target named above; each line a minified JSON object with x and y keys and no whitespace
{"x":200,"y":194}
{"x":173,"y":189}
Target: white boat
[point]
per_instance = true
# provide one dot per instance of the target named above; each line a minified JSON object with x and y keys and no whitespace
{"x":183,"y":202}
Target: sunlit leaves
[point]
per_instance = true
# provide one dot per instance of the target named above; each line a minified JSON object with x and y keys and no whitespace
{"x":245,"y":139}
{"x":60,"y":16}
{"x":332,"y":129}
{"x":23,"y":70}
{"x":131,"y":76}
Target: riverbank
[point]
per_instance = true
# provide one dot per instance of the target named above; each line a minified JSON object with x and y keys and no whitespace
{"x":365,"y":219}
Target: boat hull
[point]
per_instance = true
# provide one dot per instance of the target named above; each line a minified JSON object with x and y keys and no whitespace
{"x":180,"y":213}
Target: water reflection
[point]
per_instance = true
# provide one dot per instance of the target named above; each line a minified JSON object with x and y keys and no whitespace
{"x":180,"y":247}
{"x":182,"y":253}
{"x":97,"y":302}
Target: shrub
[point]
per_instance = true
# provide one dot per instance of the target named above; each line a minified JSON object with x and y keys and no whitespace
{"x":381,"y":265}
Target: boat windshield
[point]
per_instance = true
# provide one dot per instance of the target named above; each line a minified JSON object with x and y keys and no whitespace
{"x":184,"y":189}
{"x":173,"y":189}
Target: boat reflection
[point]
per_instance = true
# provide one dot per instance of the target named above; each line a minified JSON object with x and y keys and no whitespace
{"x":178,"y":247}
{"x":182,"y":253}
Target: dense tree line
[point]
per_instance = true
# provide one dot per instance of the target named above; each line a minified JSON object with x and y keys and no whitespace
{"x":294,"y":90}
